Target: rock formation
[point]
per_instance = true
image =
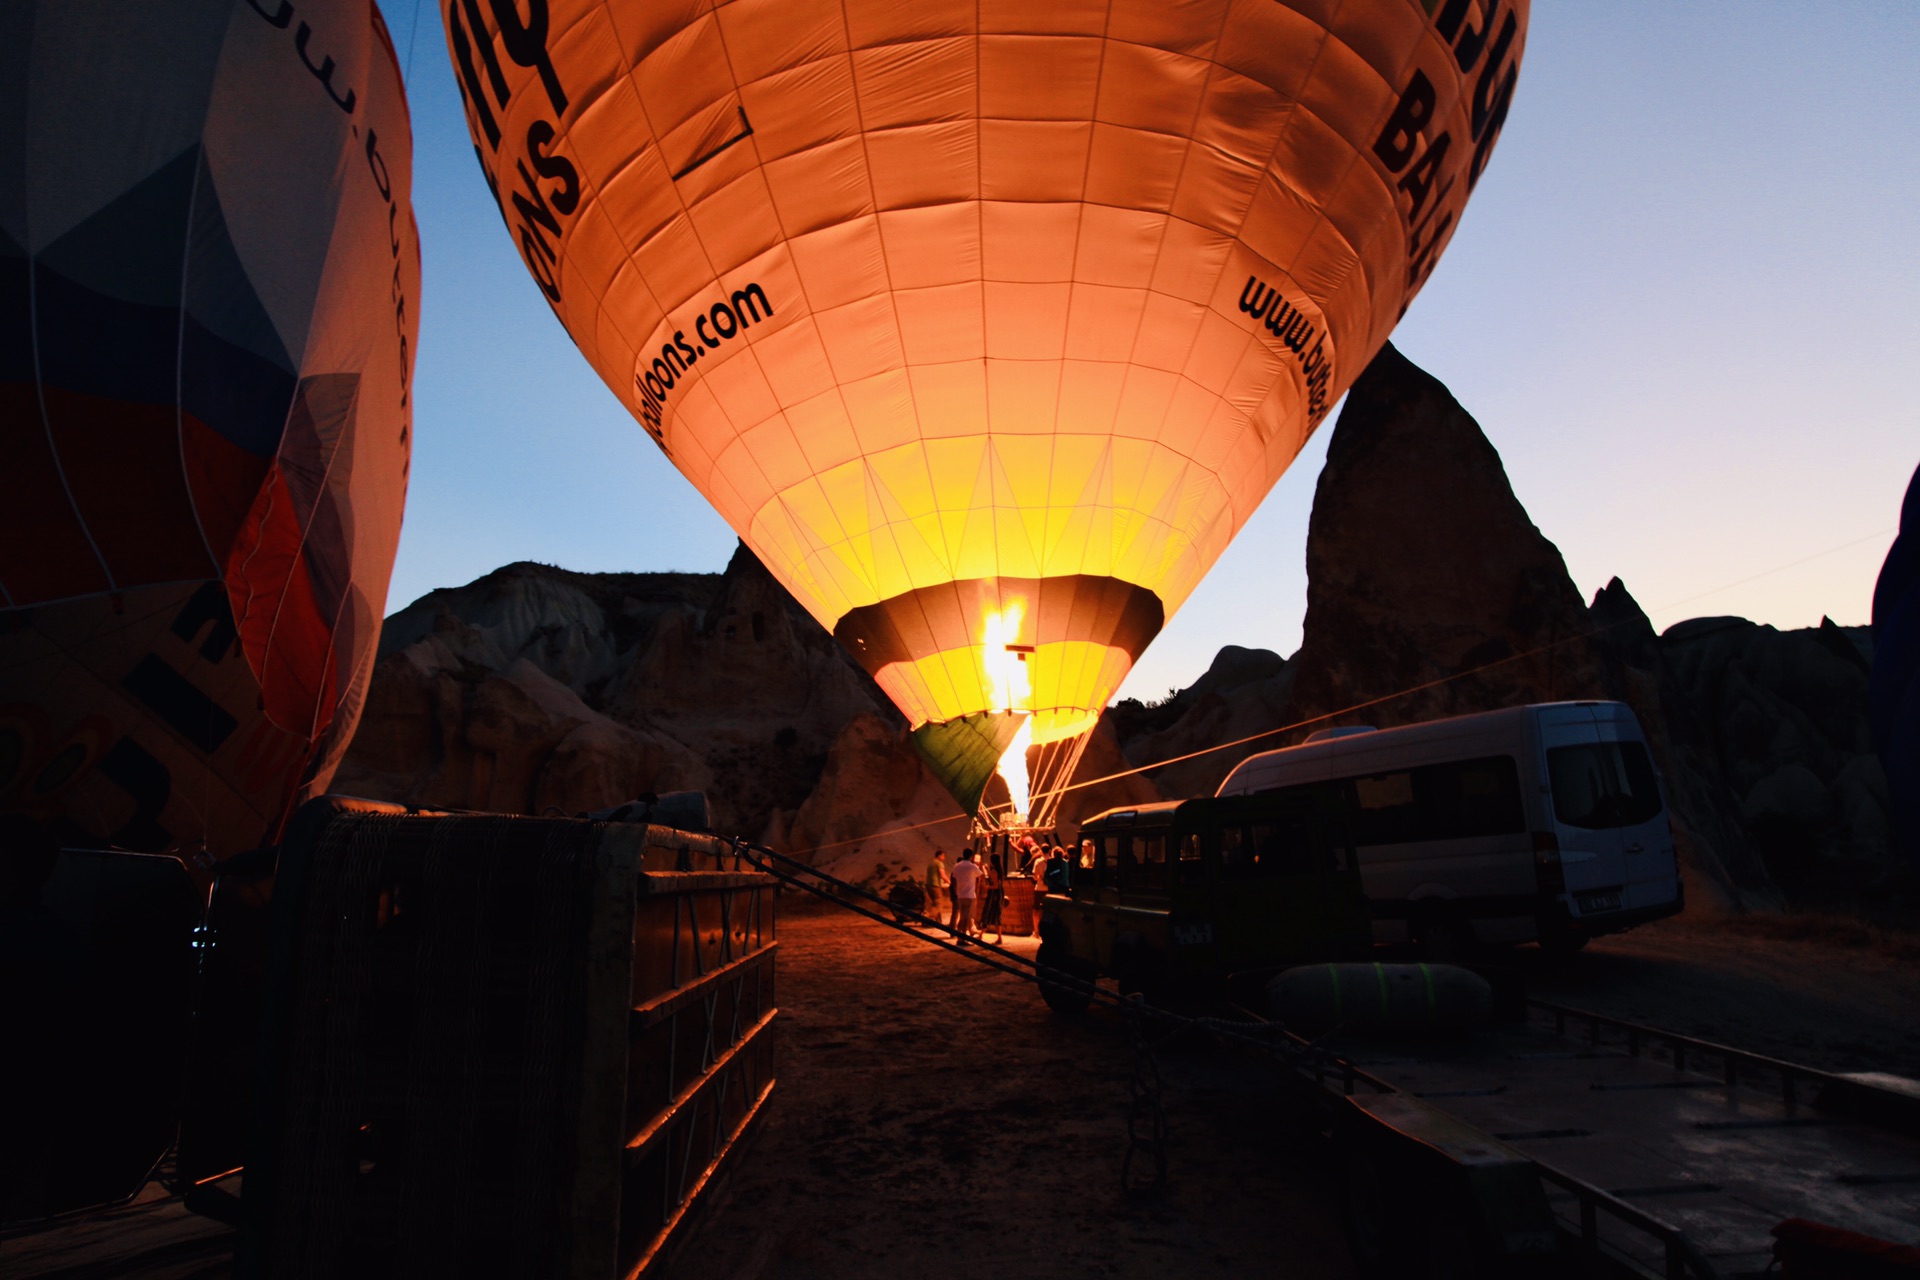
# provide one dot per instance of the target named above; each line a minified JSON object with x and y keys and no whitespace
{"x":1430,"y":593}
{"x":537,"y":690}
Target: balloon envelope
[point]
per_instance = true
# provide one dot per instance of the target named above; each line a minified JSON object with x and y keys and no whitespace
{"x":986,"y":325}
{"x":211,"y":277}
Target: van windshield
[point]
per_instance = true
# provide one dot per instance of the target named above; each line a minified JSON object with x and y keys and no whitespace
{"x":1603,"y":785}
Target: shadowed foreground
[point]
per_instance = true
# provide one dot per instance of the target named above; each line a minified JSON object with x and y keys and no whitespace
{"x":934,"y":1119}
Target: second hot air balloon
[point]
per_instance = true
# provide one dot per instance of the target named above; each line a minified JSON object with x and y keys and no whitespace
{"x":211,"y":284}
{"x":986,"y":325}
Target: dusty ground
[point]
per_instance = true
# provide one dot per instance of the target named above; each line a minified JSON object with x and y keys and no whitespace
{"x":933,"y":1119}
{"x":1807,"y":989}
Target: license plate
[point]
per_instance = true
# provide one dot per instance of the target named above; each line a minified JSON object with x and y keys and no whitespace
{"x":1590,"y":902}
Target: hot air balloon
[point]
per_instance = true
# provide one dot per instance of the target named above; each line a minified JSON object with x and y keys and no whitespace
{"x":211,"y":276}
{"x":985,"y":325}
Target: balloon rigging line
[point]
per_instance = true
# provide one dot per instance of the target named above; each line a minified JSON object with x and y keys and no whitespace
{"x":413,"y":34}
{"x":1779,"y":568}
{"x":1054,"y":793}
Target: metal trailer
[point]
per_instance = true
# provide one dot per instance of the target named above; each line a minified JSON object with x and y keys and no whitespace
{"x":500,"y":1046}
{"x":1636,"y":1151}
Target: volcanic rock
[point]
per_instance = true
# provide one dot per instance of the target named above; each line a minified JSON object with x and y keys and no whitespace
{"x":535,"y":689}
{"x":877,"y":810}
{"x":1432,"y":593}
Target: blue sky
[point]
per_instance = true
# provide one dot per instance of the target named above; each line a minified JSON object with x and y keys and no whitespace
{"x":1681,"y":303}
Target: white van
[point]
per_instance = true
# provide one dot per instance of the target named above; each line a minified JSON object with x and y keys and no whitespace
{"x":1543,"y":823}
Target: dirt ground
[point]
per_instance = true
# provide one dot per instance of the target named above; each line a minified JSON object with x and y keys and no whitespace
{"x":934,"y":1119}
{"x":1836,"y":996}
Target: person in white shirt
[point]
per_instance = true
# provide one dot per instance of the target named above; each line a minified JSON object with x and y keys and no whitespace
{"x":965,"y":876}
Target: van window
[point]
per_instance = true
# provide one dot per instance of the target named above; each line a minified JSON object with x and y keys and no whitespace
{"x":1465,"y":798}
{"x":1603,"y":785}
{"x":1258,"y":851}
{"x":1388,"y":813}
{"x":1107,"y":867}
{"x":1150,"y":855}
{"x":1235,"y":860}
{"x":1457,"y":800}
{"x":1190,"y":870}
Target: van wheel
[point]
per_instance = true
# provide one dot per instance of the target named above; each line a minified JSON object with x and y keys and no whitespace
{"x":1445,"y":939}
{"x":1066,"y":981}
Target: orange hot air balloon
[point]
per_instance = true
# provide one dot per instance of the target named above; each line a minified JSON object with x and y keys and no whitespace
{"x":211,"y":277}
{"x":985,"y":324}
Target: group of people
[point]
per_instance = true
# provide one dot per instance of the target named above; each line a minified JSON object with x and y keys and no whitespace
{"x":974,"y":893}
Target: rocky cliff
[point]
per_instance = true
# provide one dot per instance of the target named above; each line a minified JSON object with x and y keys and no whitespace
{"x":537,"y":690}
{"x":1430,"y":593}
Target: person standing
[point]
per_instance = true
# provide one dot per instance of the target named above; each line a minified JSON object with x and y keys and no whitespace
{"x":966,"y":878}
{"x":993,"y":901}
{"x":1058,"y":874}
{"x":1036,"y":861}
{"x":937,"y":881}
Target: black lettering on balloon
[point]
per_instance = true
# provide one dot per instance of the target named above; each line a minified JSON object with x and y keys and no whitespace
{"x":470,"y":88}
{"x":1396,"y":142}
{"x":484,"y":43}
{"x":324,"y":72}
{"x":1418,"y":180}
{"x":567,"y":198}
{"x":526,"y":44}
{"x":1483,"y":149}
{"x":377,"y":166}
{"x":538,"y":254}
{"x":133,"y":769}
{"x":1448,"y":23}
{"x":532,"y":205}
{"x":278,"y":19}
{"x":747,"y":303}
{"x":1490,"y":107}
{"x":1473,"y":41}
{"x":1254,"y":299}
{"x":1296,"y":333}
{"x":1490,"y":98}
{"x":207,"y":609}
{"x":179,"y":703}
{"x":725,"y":319}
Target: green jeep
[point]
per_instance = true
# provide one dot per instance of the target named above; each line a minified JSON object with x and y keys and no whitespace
{"x":1186,"y":896}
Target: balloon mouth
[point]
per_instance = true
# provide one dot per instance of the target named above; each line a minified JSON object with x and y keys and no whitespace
{"x":986,"y":668}
{"x":1053,"y":648}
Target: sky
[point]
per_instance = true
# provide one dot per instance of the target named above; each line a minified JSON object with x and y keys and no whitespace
{"x":1680,"y":304}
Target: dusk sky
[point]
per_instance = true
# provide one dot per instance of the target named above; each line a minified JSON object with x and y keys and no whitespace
{"x":1681,"y":305}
